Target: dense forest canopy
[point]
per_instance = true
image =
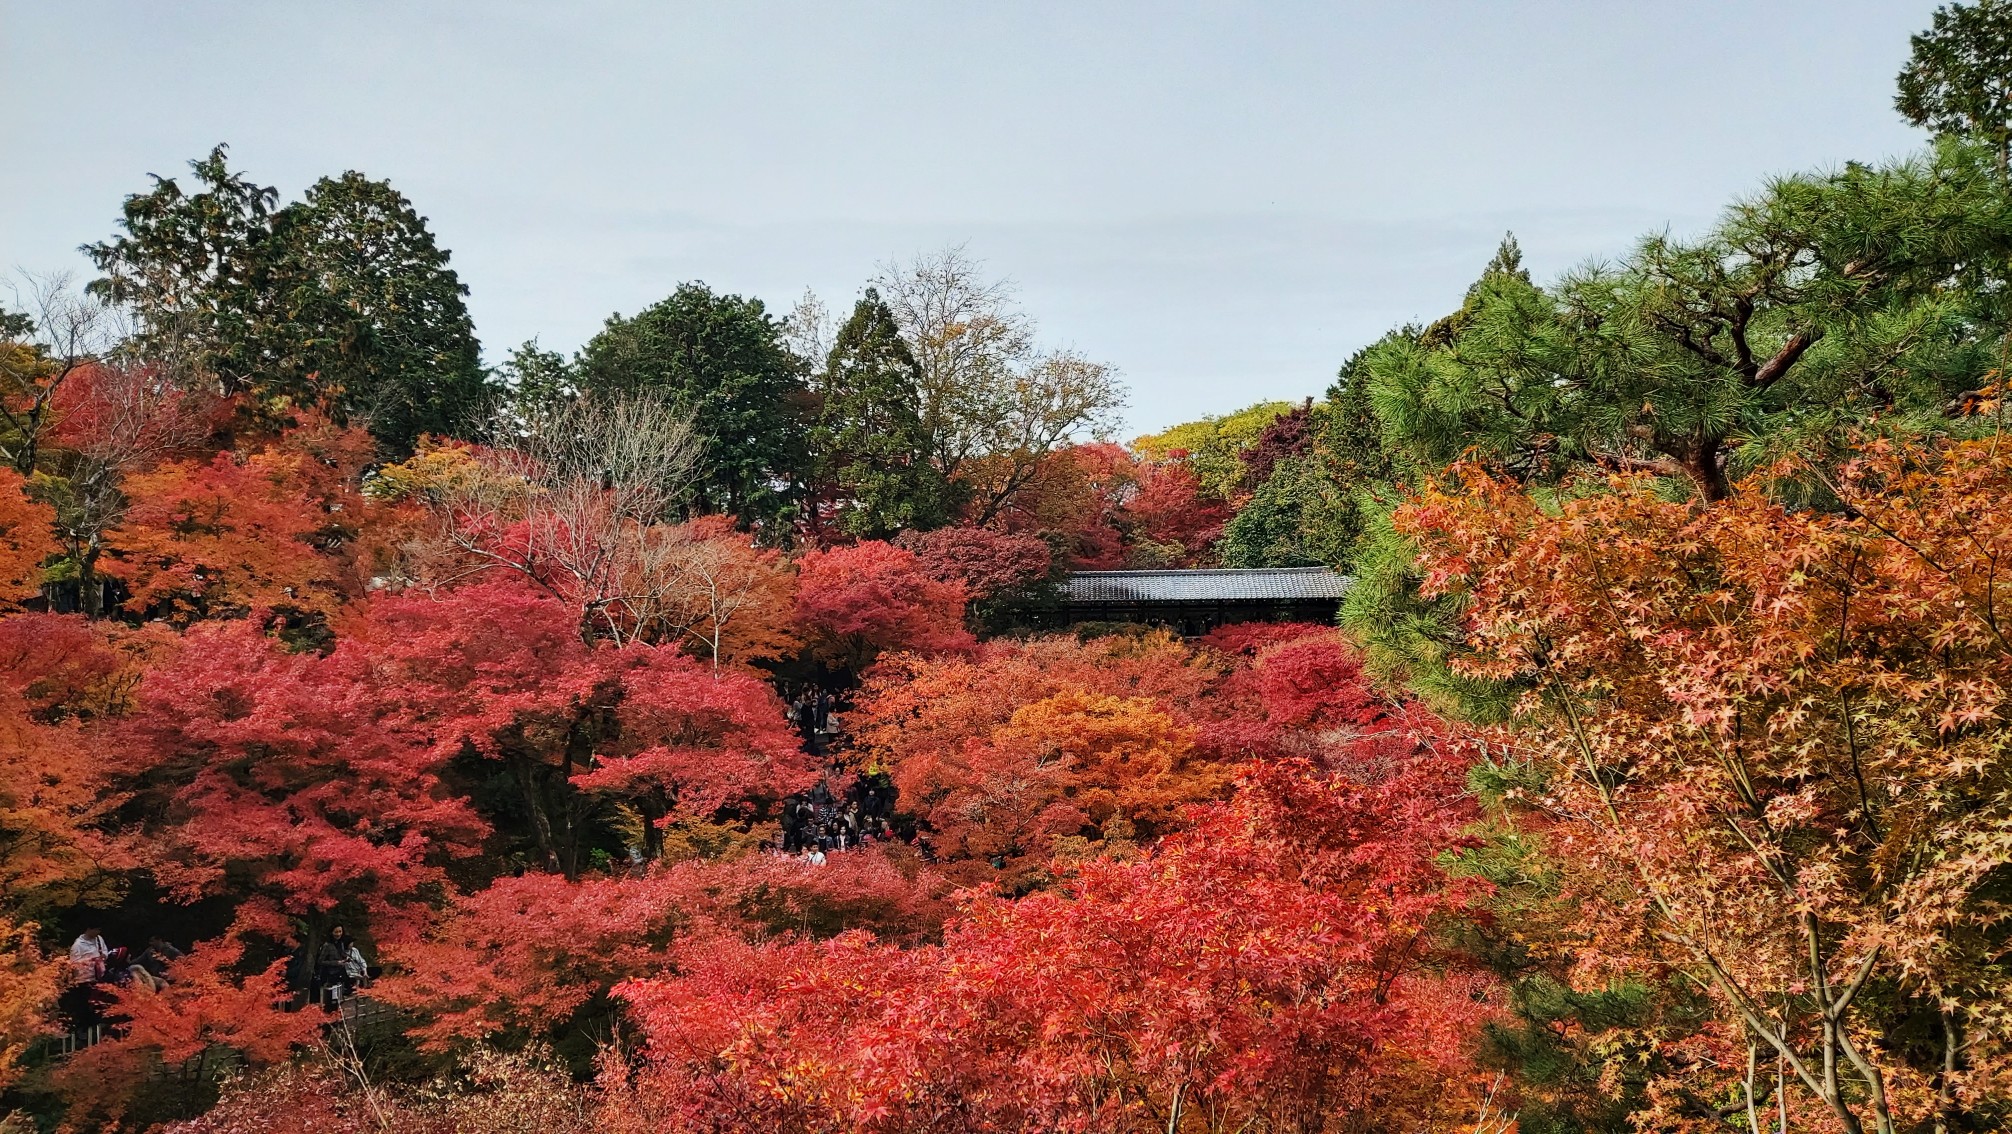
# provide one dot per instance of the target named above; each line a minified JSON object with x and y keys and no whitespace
{"x":681,"y":735}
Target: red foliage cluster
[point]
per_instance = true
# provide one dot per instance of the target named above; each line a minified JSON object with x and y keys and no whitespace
{"x":1269,"y":961}
{"x":510,"y":734}
{"x":526,"y":954}
{"x":1104,"y":508}
{"x":1289,"y":435}
{"x":856,"y":602}
{"x":1025,"y":750}
{"x":290,"y":781}
{"x":987,"y":562}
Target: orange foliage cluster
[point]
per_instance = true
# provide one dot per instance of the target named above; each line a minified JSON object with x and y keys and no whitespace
{"x":1771,"y":748}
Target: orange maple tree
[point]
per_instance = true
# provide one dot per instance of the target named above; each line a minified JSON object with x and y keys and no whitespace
{"x":1771,"y":747}
{"x":25,"y":539}
{"x":236,"y":531}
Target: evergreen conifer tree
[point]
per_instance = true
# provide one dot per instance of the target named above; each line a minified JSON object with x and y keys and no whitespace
{"x":341,"y":300}
{"x":1959,"y":78}
{"x":870,"y":445}
{"x":383,"y":320}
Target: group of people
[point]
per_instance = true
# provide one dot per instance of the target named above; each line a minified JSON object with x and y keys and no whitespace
{"x":816,"y":823}
{"x":339,"y":969}
{"x":811,"y":713}
{"x":95,"y":961}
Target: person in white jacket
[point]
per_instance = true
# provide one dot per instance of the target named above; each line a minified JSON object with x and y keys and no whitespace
{"x":89,"y":955}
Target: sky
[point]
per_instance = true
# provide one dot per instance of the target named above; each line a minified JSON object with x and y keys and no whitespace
{"x":1221,"y":200}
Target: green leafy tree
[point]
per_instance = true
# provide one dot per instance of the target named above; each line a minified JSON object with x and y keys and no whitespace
{"x":15,"y":326}
{"x":341,"y":300}
{"x":1281,"y":524}
{"x":1959,"y":78}
{"x":382,"y":320}
{"x":723,"y":359}
{"x":1314,"y":507}
{"x":1821,"y":300}
{"x":871,"y":450}
{"x":197,"y":267}
{"x":533,"y":384}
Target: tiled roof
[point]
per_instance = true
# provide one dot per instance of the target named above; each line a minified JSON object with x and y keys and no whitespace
{"x":1263,"y":585}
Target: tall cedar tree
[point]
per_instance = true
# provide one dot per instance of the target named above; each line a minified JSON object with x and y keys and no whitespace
{"x":383,"y":319}
{"x":1959,"y":79}
{"x":722,"y":359}
{"x":871,"y":448}
{"x":341,"y":300}
{"x":199,"y":268}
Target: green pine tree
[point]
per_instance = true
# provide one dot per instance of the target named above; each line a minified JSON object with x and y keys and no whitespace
{"x":1959,"y":78}
{"x":871,"y":449}
{"x":1809,"y":307}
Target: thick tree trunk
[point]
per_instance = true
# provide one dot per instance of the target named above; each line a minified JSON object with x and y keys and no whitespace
{"x":1704,"y":465}
{"x":90,"y":589}
{"x":525,"y":772}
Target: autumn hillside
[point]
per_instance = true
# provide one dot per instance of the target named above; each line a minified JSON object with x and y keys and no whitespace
{"x":686,"y":735}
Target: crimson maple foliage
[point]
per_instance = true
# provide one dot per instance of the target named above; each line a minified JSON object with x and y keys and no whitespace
{"x":55,"y":792}
{"x":987,"y":562}
{"x":1171,"y":512}
{"x":1272,"y":963}
{"x":857,"y":602}
{"x":220,"y":535}
{"x":499,"y":667}
{"x":527,"y":955}
{"x":280,"y":778}
{"x":1071,"y":500}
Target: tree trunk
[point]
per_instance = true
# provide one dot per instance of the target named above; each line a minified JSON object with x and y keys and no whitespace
{"x":525,"y":772}
{"x":652,"y":810}
{"x":90,"y":590}
{"x":1704,"y":465}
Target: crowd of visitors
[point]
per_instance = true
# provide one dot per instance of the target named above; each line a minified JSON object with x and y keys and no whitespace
{"x":812,"y":714}
{"x":818,"y":822}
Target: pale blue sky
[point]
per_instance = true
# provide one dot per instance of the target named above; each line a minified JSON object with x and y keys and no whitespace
{"x":1222,"y":200}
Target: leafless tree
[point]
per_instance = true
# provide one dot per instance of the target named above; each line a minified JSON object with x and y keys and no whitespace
{"x":589,"y":489}
{"x":969,"y":338}
{"x":993,"y":405}
{"x":808,"y":331}
{"x":1057,"y":398}
{"x":70,"y":331}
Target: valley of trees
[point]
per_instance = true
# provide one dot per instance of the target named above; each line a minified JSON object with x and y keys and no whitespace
{"x":1657,"y":776}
